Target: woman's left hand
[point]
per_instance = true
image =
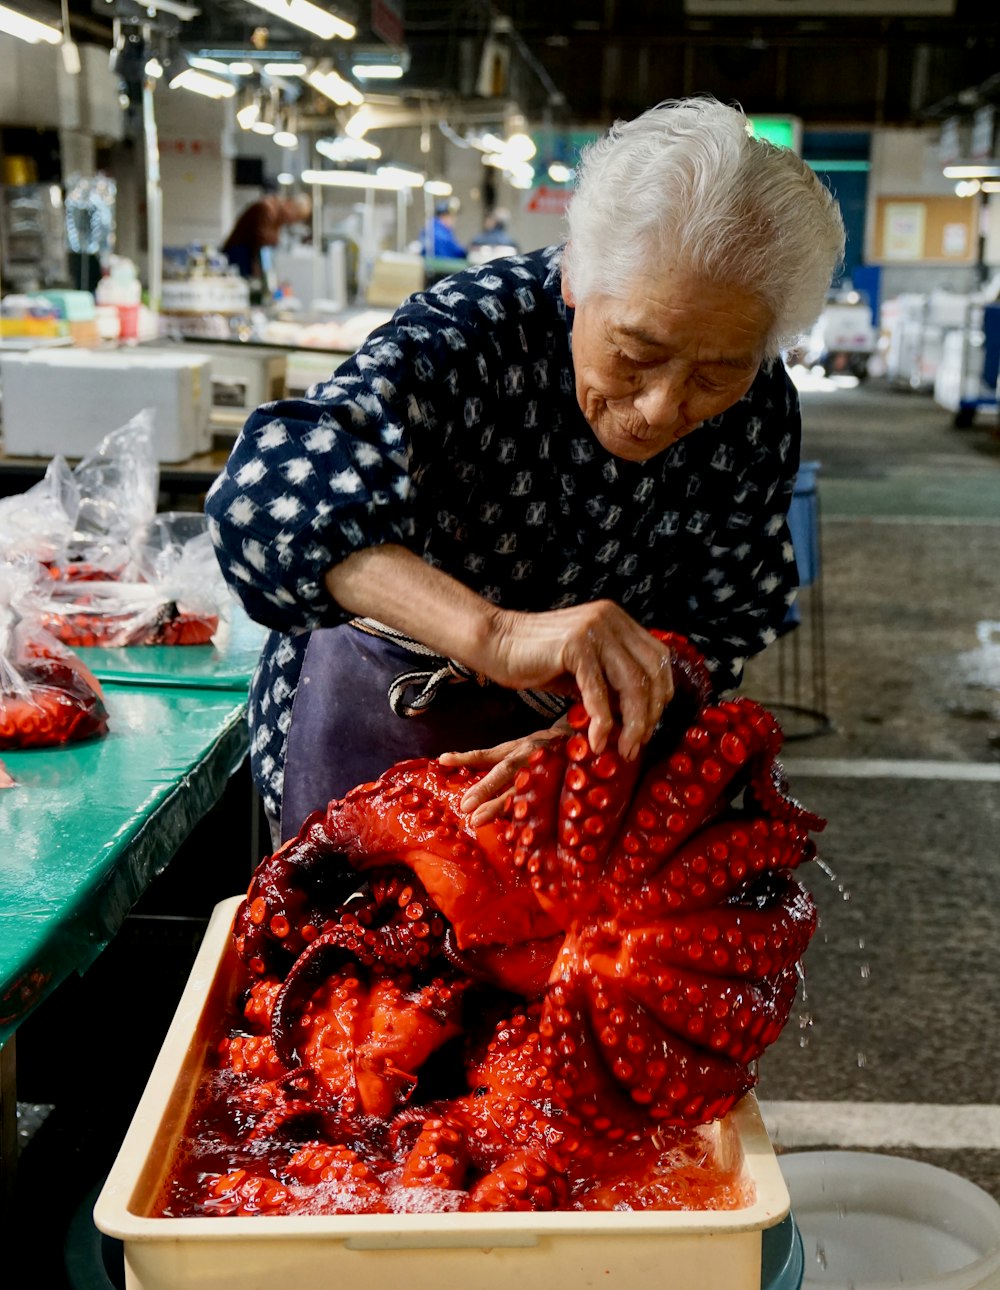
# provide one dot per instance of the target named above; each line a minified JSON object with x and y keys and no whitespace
{"x":488,"y":797}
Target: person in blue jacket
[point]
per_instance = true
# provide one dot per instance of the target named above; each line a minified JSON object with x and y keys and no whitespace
{"x":438,"y":239}
{"x":478,"y":517}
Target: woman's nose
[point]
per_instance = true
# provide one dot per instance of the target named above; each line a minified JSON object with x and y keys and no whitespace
{"x":660,"y":399}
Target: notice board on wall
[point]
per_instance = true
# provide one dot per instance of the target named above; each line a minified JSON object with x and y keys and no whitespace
{"x":926,"y":230}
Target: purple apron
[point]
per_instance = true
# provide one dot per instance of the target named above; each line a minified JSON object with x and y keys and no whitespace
{"x":344,"y":731}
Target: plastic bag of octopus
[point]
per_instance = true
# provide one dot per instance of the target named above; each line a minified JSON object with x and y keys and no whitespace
{"x":39,"y":523}
{"x":116,"y":490}
{"x":170,"y":592}
{"x":47,"y":695}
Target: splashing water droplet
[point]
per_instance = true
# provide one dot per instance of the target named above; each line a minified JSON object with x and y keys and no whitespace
{"x":862,"y":1061}
{"x":866,"y":972}
{"x":821,"y":1254}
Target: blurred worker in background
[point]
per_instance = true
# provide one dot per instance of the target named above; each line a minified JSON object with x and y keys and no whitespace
{"x":258,"y":230}
{"x":495,"y":239}
{"x":437,"y":237}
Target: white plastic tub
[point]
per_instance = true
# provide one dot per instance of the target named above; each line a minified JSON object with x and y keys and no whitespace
{"x":879,"y":1222}
{"x":706,"y":1250}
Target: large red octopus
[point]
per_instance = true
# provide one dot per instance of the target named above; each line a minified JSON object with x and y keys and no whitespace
{"x":644,"y":913}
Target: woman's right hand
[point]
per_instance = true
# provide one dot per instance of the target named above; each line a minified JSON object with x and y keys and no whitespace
{"x":596,"y":650}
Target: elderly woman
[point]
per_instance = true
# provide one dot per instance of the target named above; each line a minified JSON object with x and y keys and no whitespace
{"x":528,"y":467}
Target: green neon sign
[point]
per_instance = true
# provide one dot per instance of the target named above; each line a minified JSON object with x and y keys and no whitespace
{"x":784,"y":131}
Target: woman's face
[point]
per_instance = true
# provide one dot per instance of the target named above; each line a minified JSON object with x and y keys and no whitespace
{"x":652,"y":367}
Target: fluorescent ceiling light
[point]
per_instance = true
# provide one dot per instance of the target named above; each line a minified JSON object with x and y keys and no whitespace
{"x":560,"y":174}
{"x":355,"y":179}
{"x":520,"y":147}
{"x":202,"y":83}
{"x":154,"y":69}
{"x":341,"y":149}
{"x":406,"y":178}
{"x":984,"y":170}
{"x":263,"y":127}
{"x":286,"y":138}
{"x":377,"y":71}
{"x":284,"y":69}
{"x":247,"y":115}
{"x":25,"y":28}
{"x":360,"y":122}
{"x":286,"y":178}
{"x":183,"y":11}
{"x":438,"y":188}
{"x":335,"y":88}
{"x":211,"y":65}
{"x":308,"y":16}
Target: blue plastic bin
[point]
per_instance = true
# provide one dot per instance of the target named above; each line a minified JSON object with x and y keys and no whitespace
{"x":782,"y":1258}
{"x":803,"y":521}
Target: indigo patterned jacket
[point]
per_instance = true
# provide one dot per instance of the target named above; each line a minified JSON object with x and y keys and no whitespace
{"x":455,"y":431}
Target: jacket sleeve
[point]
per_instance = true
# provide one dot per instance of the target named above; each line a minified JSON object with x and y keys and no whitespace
{"x":311,"y":480}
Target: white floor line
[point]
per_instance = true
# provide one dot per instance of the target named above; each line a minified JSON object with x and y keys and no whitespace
{"x":981,"y":521}
{"x":984,"y":772}
{"x":845,"y":1125}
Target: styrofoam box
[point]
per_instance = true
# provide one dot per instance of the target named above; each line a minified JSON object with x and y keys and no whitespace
{"x":615,"y":1250}
{"x":244,"y":377}
{"x":66,"y":400}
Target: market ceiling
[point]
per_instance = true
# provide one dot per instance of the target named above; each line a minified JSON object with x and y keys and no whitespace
{"x":835,"y":63}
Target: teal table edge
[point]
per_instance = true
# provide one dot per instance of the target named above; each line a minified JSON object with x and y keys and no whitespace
{"x":49,"y":948}
{"x":227,"y":663}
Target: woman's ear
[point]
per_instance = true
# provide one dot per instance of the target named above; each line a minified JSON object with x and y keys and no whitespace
{"x":567,"y":290}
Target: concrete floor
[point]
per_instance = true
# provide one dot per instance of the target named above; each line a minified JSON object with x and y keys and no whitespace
{"x":895,"y":1045}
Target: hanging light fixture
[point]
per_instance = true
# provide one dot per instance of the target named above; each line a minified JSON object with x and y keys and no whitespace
{"x":335,"y":87}
{"x":70,"y":53}
{"x":248,"y":110}
{"x":390,"y":181}
{"x":308,"y":16}
{"x":183,"y":76}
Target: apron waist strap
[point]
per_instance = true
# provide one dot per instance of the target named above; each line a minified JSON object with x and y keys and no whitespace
{"x":440,"y":671}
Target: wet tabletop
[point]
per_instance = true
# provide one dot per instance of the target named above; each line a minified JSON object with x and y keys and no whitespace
{"x":225,"y":664}
{"x":87,"y":827}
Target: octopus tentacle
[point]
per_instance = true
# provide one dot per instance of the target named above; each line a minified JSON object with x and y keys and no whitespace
{"x":737,"y":1019}
{"x":407,"y":938}
{"x":765,"y":932}
{"x":716,"y":863}
{"x":287,"y":898}
{"x":684,"y":791}
{"x":531,"y":1179}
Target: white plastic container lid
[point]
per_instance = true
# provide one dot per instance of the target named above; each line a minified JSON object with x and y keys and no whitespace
{"x":878,"y":1222}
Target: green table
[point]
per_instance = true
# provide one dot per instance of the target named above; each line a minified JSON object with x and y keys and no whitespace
{"x":87,"y":827}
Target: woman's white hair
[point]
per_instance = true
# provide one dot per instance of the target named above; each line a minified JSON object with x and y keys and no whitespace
{"x":685,"y":186}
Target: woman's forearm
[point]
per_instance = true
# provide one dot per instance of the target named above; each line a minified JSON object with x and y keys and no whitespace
{"x":396,"y":587}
